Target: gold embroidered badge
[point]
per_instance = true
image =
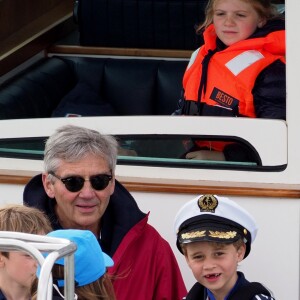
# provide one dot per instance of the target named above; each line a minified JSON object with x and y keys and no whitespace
{"x":194,"y":234}
{"x":222,"y":235}
{"x":208,"y":203}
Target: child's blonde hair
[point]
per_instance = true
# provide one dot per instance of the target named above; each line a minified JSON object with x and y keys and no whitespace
{"x":264,"y":8}
{"x":100,"y":289}
{"x":21,"y":218}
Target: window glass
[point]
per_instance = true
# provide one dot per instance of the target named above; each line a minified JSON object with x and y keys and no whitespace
{"x":145,"y":150}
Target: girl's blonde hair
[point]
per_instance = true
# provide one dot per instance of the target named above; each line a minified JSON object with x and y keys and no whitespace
{"x":21,"y":218}
{"x":264,"y":8}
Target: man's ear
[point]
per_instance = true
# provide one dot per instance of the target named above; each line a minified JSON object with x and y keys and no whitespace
{"x":48,"y":186}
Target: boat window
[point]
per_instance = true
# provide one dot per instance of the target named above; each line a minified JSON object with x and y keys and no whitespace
{"x":150,"y":150}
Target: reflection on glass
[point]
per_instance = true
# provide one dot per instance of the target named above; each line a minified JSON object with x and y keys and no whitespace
{"x":172,"y":151}
{"x":145,"y":150}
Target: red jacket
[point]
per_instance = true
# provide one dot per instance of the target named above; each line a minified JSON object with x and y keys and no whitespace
{"x":146,"y":267}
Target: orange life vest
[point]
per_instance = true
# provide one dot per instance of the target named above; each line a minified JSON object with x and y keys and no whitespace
{"x":232,"y":72}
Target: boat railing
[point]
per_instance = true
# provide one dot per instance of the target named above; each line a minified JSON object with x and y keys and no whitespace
{"x":36,"y":245}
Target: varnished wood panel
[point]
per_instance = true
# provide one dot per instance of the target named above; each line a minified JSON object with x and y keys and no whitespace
{"x":185,"y":189}
{"x":29,"y":26}
{"x":15,"y":14}
{"x":81,"y":50}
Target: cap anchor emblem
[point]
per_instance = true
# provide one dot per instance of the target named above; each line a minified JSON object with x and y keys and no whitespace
{"x":208,"y":203}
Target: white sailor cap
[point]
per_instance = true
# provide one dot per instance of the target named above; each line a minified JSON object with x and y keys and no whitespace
{"x":216,"y":219}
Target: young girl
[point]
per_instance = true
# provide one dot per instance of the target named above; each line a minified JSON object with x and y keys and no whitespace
{"x":239,"y":71}
{"x":91,"y":279}
{"x":215,"y":234}
{"x":18,"y":269}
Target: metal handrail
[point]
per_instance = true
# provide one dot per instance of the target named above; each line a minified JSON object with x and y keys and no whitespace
{"x":34,"y":245}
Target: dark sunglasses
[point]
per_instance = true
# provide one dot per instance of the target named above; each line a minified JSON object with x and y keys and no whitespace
{"x":75,"y":183}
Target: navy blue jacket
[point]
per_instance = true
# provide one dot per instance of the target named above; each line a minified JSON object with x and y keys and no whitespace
{"x":2,"y":297}
{"x":243,"y":289}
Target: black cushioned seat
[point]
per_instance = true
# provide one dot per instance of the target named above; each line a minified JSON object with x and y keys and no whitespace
{"x":36,"y":91}
{"x":56,"y":86}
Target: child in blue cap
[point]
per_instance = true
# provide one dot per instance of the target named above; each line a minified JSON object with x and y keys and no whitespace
{"x":91,"y":280}
{"x":215,"y":234}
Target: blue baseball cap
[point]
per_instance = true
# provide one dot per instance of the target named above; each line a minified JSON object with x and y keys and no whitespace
{"x":90,"y":261}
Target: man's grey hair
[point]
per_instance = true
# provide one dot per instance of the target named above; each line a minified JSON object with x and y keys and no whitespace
{"x":71,"y":143}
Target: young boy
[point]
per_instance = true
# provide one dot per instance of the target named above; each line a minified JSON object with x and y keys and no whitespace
{"x":18,"y":269}
{"x":215,"y":234}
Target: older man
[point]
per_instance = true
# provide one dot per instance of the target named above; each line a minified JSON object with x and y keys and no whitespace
{"x":78,"y":190}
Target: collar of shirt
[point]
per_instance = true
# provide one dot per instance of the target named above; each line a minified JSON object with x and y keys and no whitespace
{"x":2,"y":297}
{"x":211,"y":296}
